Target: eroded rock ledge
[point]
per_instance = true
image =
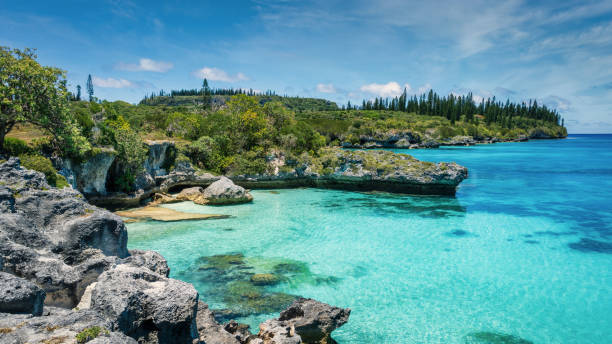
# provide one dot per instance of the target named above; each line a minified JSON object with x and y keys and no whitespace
{"x":332,"y":168}
{"x":66,"y":276}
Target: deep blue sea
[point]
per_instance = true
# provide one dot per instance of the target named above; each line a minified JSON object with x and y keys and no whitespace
{"x":525,"y":249}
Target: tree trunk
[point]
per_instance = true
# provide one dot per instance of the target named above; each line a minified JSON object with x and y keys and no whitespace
{"x":2,"y":135}
{"x":5,"y":128}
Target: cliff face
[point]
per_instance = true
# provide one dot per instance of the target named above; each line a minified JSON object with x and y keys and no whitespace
{"x":58,"y":252}
{"x":89,"y":176}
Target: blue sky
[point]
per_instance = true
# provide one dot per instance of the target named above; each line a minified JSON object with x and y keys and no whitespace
{"x":558,"y":52}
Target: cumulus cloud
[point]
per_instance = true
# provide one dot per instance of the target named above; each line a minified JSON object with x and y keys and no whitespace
{"x":390,"y":89}
{"x":326,"y":88}
{"x":112,"y":83}
{"x":216,"y":74}
{"x":147,"y":65}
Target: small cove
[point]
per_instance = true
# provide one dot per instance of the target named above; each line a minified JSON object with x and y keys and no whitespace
{"x":522,"y":249}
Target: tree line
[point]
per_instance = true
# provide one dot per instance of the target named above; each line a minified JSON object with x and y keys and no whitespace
{"x":206,"y":91}
{"x":457,"y":107}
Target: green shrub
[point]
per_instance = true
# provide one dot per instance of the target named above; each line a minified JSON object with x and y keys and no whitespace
{"x":41,"y":164}
{"x":16,"y":147}
{"x":247,"y":163}
{"x":88,"y":334}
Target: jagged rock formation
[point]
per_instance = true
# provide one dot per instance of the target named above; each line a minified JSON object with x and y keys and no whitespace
{"x":56,"y":247}
{"x":89,"y":176}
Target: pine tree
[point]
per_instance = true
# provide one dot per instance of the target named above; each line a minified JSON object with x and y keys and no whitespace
{"x":90,"y":88}
{"x":78,"y":96}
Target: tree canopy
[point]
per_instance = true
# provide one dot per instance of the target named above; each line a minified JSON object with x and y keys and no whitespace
{"x":31,"y":93}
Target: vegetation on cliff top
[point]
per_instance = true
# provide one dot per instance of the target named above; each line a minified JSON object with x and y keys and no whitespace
{"x":232,"y":131}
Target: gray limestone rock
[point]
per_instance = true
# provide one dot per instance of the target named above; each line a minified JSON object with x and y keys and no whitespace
{"x":18,"y":295}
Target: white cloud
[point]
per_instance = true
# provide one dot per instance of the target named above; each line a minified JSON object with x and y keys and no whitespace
{"x":390,"y":89}
{"x":112,"y":83}
{"x":326,"y":88}
{"x":216,"y":74}
{"x":147,"y":65}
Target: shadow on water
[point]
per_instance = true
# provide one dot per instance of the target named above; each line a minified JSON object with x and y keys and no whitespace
{"x":248,"y":286}
{"x":590,"y":245}
{"x":391,"y":204}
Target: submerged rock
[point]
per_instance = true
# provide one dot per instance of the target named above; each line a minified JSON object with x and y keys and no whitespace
{"x":590,"y":245}
{"x":20,"y":296}
{"x":493,"y":338}
{"x":265,"y":279}
{"x":224,"y":191}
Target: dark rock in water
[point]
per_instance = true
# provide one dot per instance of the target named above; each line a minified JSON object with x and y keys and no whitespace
{"x":458,"y":233}
{"x":251,"y":299}
{"x":531,"y":242}
{"x":590,"y":245}
{"x":18,"y":295}
{"x":493,"y":338}
{"x":312,"y":321}
{"x":265,"y":279}
{"x":290,"y":267}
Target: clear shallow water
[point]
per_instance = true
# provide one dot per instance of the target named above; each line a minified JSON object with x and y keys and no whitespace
{"x":508,"y":254}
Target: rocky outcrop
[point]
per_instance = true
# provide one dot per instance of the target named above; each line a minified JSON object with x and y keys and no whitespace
{"x":150,"y":260}
{"x":18,"y":295}
{"x":364,"y":171}
{"x":53,"y":237}
{"x":305,"y":321}
{"x":209,"y":331}
{"x":194,"y":194}
{"x":145,"y":305}
{"x":224,"y":191}
{"x":89,"y":176}
{"x":57,"y":248}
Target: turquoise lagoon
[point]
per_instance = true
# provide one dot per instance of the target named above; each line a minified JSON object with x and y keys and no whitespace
{"x":525,"y":247}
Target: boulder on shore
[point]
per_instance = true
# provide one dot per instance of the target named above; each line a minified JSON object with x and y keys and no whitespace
{"x":224,"y":191}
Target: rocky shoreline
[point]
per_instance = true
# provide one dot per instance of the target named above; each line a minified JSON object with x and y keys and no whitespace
{"x":66,"y":276}
{"x":410,"y":141}
{"x":334,"y":168}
